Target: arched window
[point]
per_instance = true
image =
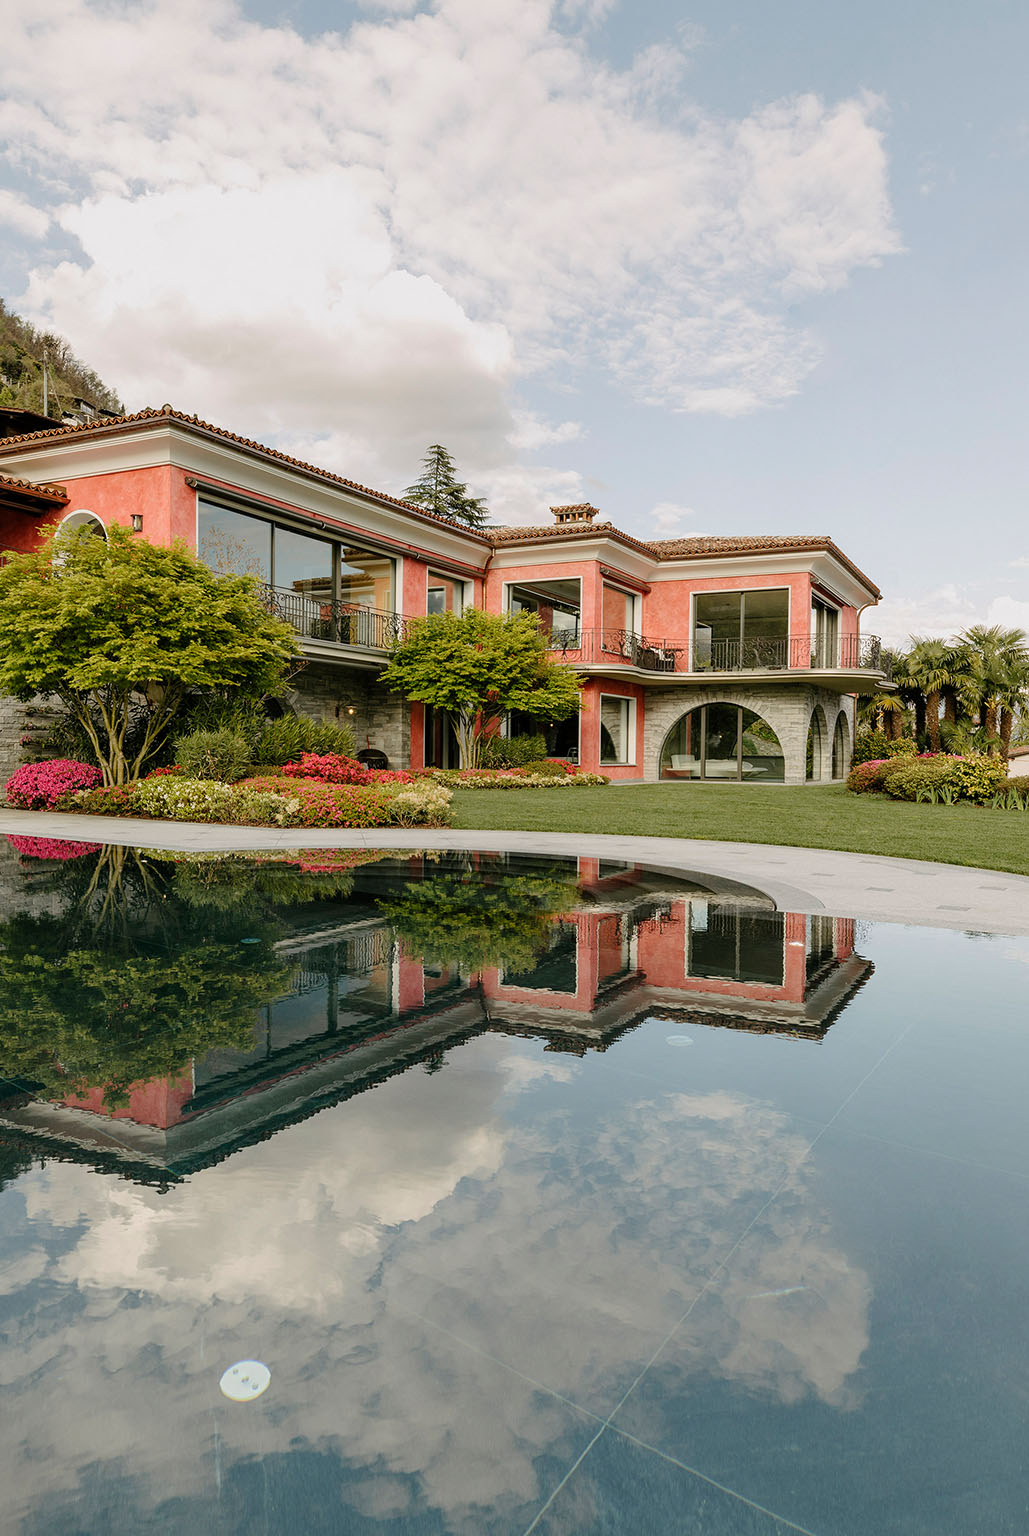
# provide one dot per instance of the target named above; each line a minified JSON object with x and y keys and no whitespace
{"x":815,"y":746}
{"x":839,"y":747}
{"x":722,"y":741}
{"x":81,"y":518}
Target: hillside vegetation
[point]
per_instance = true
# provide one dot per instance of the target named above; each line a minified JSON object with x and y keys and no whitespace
{"x":22,"y":349}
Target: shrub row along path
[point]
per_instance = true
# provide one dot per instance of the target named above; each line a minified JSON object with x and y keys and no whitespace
{"x":799,"y":879}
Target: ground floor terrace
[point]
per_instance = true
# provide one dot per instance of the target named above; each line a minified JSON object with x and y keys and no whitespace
{"x":761,"y":733}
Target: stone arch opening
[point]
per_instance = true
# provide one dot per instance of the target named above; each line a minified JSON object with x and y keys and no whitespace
{"x":722,"y":742}
{"x":840,"y":746}
{"x":817,"y":741}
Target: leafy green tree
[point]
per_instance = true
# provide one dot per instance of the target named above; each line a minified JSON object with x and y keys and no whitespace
{"x":480,"y":918}
{"x":438,"y":490}
{"x":122,"y":631}
{"x":129,"y":983}
{"x":477,"y":667}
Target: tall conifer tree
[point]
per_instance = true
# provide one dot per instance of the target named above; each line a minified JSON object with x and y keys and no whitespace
{"x":438,"y":490}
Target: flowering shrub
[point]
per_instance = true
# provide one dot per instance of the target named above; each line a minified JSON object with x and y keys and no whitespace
{"x":334,"y":769}
{"x":511,"y":778}
{"x":39,"y":786}
{"x":163,"y":773}
{"x":978,"y":776}
{"x":108,"y":800}
{"x":51,"y":848}
{"x":922,"y":778}
{"x":178,"y":799}
{"x":932,"y":776}
{"x":863,"y":778}
{"x":317,"y":804}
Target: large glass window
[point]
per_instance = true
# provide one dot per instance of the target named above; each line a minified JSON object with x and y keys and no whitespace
{"x":366,"y":578}
{"x":557,"y":605}
{"x":561,"y":736}
{"x":302,"y":565}
{"x":616,"y":729}
{"x":325,"y":589}
{"x":748,"y":631}
{"x":825,"y":634}
{"x":233,"y":544}
{"x":722,"y":741}
{"x":444,"y":595}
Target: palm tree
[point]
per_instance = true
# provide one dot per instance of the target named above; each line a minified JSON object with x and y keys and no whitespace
{"x":931,"y":668}
{"x":992,"y":659}
{"x":1014,"y":698}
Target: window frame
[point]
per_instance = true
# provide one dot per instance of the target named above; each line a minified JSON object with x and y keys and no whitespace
{"x":631,"y":710}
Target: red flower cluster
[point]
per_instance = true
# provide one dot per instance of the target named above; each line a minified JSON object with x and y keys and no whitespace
{"x":330,"y":805}
{"x":331,"y":768}
{"x":51,"y":848}
{"x":163,"y":773}
{"x":39,"y":786}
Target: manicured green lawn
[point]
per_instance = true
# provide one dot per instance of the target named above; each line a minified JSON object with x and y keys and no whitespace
{"x":829,"y":817}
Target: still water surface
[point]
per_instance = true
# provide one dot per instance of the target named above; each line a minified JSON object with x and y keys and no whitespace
{"x":555,"y":1196}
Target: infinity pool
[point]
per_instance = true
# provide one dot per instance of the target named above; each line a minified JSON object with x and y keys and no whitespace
{"x":520,"y":1195}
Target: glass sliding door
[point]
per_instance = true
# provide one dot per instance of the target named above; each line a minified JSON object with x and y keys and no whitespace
{"x":741,"y":631}
{"x":716,"y":631}
{"x":825,"y":634}
{"x":302,"y":573}
{"x":723,"y":741}
{"x":766,"y":625}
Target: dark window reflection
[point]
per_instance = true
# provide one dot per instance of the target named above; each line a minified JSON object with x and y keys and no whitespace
{"x":736,"y":945}
{"x":556,"y":970}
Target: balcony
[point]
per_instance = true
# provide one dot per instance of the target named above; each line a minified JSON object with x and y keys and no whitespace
{"x":756,"y":654}
{"x":325,"y":621}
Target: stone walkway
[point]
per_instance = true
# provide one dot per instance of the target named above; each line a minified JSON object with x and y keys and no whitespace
{"x":798,"y":879}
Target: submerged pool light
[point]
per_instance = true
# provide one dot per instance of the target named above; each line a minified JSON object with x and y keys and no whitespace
{"x":245,"y":1380}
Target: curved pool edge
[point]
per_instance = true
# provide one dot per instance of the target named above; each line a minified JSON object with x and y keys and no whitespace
{"x":870,"y":886}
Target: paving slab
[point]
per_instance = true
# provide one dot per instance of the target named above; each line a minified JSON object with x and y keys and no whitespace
{"x":798,"y":879}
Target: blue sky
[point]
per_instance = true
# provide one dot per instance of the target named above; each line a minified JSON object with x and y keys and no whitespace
{"x":724,"y":267}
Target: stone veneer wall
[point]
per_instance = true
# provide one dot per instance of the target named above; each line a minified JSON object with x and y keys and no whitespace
{"x":381,"y":719}
{"x":13,"y":721}
{"x":787,"y":708}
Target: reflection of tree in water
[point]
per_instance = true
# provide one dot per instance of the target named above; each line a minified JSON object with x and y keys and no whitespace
{"x":486,"y":916}
{"x":131,"y":980}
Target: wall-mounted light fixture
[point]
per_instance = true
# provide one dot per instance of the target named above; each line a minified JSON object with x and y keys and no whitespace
{"x":351,"y":710}
{"x":137,"y":522}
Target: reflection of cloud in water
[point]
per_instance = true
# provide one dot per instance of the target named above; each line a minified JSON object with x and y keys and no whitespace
{"x":562,"y":1235}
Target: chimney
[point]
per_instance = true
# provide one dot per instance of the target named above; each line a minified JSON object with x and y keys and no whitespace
{"x":581,"y":512}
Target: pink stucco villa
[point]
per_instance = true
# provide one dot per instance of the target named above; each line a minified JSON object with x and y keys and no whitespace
{"x":728,"y":659}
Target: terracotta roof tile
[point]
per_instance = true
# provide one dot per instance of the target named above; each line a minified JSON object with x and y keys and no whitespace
{"x":44,"y":491}
{"x":683,"y":549}
{"x":168,"y":413}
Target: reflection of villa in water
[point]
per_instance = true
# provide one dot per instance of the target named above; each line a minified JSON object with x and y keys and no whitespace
{"x":638,"y":944}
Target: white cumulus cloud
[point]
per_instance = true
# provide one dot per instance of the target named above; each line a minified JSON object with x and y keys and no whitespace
{"x":371,"y":240}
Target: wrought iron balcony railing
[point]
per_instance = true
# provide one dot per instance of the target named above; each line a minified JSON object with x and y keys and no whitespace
{"x":318,"y":618}
{"x":757,"y":653}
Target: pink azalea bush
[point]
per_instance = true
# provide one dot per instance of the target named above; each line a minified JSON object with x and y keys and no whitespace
{"x":51,"y":848}
{"x":40,"y":786}
{"x":331,"y":768}
{"x":314,"y":803}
